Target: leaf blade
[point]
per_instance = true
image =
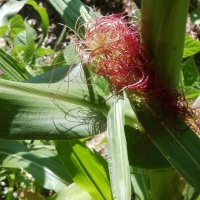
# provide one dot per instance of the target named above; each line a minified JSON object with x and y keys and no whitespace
{"x":11,"y":68}
{"x":45,"y":20}
{"x":182,"y":153}
{"x":191,"y":47}
{"x":31,"y":111}
{"x":43,"y":164}
{"x":117,"y":152}
{"x":86,"y":169}
{"x":9,"y":9}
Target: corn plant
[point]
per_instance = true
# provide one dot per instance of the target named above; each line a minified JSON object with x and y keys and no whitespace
{"x":130,"y":83}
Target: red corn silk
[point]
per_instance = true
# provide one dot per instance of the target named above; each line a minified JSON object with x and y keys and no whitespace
{"x":111,"y":49}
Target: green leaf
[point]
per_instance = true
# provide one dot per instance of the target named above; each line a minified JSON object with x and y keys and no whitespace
{"x":42,"y":51}
{"x":117,"y":152}
{"x":156,"y":184}
{"x":87,"y":170}
{"x":30,"y":32}
{"x":71,"y":192}
{"x":21,"y":39}
{"x":180,"y":146}
{"x":139,"y":180}
{"x":191,"y":47}
{"x":45,"y":20}
{"x":54,"y":105}
{"x":192,"y":92}
{"x":3,"y":174}
{"x":70,"y":55}
{"x":16,"y":25}
{"x":190,"y":72}
{"x":24,"y":37}
{"x":11,"y":68}
{"x":66,"y":57}
{"x":9,"y":9}
{"x":74,"y":13}
{"x":102,"y":86}
{"x":45,"y":111}
{"x":3,"y":30}
{"x":142,"y":153}
{"x":42,"y":163}
{"x":29,"y":51}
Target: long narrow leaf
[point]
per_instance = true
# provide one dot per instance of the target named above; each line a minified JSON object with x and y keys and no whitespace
{"x":142,"y":152}
{"x":11,"y":68}
{"x":74,"y":13}
{"x":43,"y":164}
{"x":182,"y":153}
{"x":117,"y":152}
{"x":33,"y":111}
{"x":87,"y":170}
{"x":72,"y":192}
{"x":44,"y":17}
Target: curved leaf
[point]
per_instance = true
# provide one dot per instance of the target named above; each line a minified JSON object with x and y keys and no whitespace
{"x":74,"y":13}
{"x":9,"y":9}
{"x":43,"y":164}
{"x":88,"y":170}
{"x":44,"y":17}
{"x":29,"y":111}
{"x":32,"y":111}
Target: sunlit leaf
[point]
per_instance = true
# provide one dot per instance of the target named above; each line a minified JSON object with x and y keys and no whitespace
{"x":29,"y":50}
{"x":190,"y":72}
{"x":3,"y":30}
{"x":102,"y":86}
{"x":11,"y":68}
{"x":68,"y":56}
{"x":34,"y":111}
{"x":86,"y":168}
{"x":74,"y":13}
{"x":16,"y":25}
{"x":42,"y":163}
{"x":24,"y":37}
{"x":192,"y":92}
{"x":117,"y":152}
{"x":72,"y":192}
{"x":9,"y":9}
{"x":44,"y":51}
{"x":44,"y":17}
{"x":191,"y":46}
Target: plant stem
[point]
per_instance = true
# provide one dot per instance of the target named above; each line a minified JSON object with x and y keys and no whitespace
{"x":163,"y":28}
